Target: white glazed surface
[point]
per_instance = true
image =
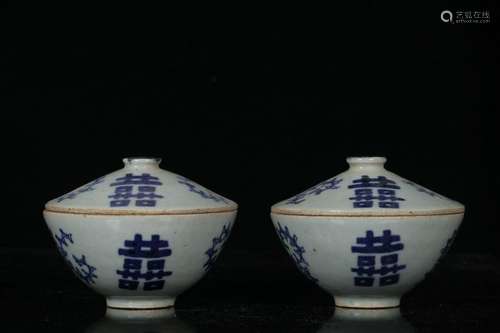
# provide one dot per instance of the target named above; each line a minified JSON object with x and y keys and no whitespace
{"x":327,"y":241}
{"x":364,"y":320}
{"x":335,"y":195}
{"x":99,"y":238}
{"x":123,"y":321}
{"x":92,"y":224}
{"x":175,"y":194}
{"x":321,"y":227}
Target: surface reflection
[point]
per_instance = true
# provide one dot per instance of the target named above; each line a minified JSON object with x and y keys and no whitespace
{"x":361,"y":321}
{"x":149,"y":321}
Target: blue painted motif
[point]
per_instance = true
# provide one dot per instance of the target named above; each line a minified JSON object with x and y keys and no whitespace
{"x":421,"y":189}
{"x":151,"y":252}
{"x":449,"y":243}
{"x":217,"y":245}
{"x":62,"y":242}
{"x":84,"y":270}
{"x":363,"y":191}
{"x":139,"y":187}
{"x":192,"y":187}
{"x":371,"y":247}
{"x":79,"y":266}
{"x":295,"y":250}
{"x":85,"y":188}
{"x":330,"y":184}
{"x":444,"y":251}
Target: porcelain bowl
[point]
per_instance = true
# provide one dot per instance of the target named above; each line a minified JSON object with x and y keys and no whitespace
{"x":140,"y":261}
{"x":370,"y":261}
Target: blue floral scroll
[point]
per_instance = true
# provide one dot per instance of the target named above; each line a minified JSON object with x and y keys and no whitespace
{"x":217,"y":245}
{"x":79,"y":265}
{"x":192,"y":187}
{"x":444,"y":250}
{"x":421,"y":189}
{"x":449,"y":243}
{"x":295,"y":250}
{"x":330,"y":184}
{"x":85,"y":188}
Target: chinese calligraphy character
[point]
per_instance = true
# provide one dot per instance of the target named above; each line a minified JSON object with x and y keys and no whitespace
{"x":139,"y":187}
{"x":138,"y":252}
{"x":364,"y":196}
{"x":377,"y":247}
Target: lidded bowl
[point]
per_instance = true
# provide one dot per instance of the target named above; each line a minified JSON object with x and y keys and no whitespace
{"x":367,"y":235}
{"x":141,"y":235}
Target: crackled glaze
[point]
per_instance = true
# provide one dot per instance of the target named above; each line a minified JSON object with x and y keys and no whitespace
{"x":141,"y":187}
{"x":368,"y":189}
{"x":367,"y":235}
{"x":139,"y":236}
{"x":367,"y":321}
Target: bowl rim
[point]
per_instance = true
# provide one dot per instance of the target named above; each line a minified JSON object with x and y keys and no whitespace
{"x":130,"y":212}
{"x":409,"y":213}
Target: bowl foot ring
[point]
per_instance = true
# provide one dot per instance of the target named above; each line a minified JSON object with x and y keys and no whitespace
{"x":138,"y":303}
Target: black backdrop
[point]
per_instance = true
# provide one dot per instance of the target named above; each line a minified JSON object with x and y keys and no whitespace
{"x":296,"y":98}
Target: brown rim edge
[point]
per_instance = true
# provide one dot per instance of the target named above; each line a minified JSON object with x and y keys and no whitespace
{"x":83,"y":211}
{"x":141,"y":309}
{"x":368,"y":308}
{"x":409,"y":214}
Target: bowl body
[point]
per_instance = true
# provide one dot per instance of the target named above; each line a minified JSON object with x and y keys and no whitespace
{"x":140,"y":261}
{"x":366,"y":262}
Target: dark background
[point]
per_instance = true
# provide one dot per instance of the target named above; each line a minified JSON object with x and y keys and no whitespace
{"x":299,"y":94}
{"x":297,"y":98}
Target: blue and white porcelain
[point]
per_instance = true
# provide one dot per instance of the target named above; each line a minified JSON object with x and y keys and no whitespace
{"x":140,"y":236}
{"x":367,"y":235}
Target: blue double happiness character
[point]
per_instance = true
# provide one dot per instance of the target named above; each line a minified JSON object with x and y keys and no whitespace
{"x":364,"y":195}
{"x":373,"y":248}
{"x":139,"y":187}
{"x":153,"y":252}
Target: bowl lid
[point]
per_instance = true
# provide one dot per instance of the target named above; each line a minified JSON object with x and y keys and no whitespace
{"x":367,"y":189}
{"x":141,"y":188}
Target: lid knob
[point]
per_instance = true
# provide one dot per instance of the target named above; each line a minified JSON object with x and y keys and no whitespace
{"x":366,"y":162}
{"x":141,"y":161}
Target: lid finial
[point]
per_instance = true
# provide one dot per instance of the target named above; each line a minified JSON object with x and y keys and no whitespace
{"x":366,"y":161}
{"x":128,"y":161}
